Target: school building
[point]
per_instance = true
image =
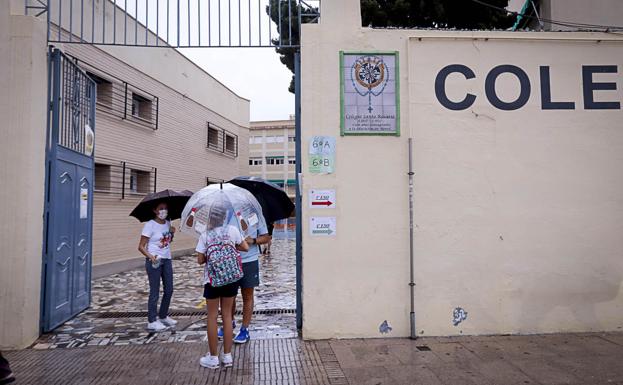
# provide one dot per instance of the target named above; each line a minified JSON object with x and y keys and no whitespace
{"x":272,"y":153}
{"x":474,"y":176}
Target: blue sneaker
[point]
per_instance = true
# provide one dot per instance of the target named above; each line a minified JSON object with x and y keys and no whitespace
{"x":242,"y":336}
{"x":220,"y":330}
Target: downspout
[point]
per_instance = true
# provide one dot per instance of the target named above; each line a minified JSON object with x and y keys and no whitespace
{"x":411,"y":247}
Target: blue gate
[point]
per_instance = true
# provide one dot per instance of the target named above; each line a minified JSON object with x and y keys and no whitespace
{"x":69,"y":192}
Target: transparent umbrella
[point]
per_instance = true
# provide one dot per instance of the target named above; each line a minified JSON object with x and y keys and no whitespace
{"x":220,"y":205}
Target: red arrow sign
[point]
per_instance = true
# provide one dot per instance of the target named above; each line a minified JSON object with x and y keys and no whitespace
{"x":326,"y":203}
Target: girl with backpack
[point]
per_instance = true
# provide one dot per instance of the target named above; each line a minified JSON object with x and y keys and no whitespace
{"x":219,"y":250}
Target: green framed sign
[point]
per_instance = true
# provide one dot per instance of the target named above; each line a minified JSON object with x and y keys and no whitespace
{"x":370,"y":93}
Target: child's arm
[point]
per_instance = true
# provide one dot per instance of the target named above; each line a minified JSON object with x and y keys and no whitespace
{"x":243,"y":246}
{"x":201,"y":258}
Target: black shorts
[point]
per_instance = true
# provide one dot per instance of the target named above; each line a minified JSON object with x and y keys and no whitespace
{"x":227,"y":291}
{"x":251,"y":277}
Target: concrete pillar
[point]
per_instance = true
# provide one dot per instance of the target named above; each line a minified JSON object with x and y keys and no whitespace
{"x":23,"y":93}
{"x":340,"y":15}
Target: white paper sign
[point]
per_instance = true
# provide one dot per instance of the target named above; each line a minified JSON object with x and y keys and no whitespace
{"x":321,"y":199}
{"x":84,"y":203}
{"x":322,"y":226}
{"x":322,"y":155}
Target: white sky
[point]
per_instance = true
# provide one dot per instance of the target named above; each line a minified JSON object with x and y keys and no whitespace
{"x":253,"y":73}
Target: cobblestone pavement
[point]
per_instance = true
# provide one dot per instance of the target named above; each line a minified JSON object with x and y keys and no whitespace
{"x":577,"y":359}
{"x":117,"y":315}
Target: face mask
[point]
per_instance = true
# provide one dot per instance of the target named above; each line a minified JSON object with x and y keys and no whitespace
{"x":163,"y":214}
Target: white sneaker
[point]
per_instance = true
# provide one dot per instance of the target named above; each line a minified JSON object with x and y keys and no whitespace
{"x":156,"y":326}
{"x":227,"y":360}
{"x":168,"y":321}
{"x":210,"y":362}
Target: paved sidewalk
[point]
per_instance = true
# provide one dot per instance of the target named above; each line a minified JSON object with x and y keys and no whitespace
{"x":587,"y":359}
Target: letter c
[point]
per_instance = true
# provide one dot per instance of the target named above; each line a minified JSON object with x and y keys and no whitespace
{"x":440,"y":87}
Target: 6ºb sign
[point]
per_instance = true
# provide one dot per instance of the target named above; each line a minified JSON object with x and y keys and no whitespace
{"x":321,"y":199}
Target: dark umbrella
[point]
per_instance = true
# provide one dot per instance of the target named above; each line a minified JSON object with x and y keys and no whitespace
{"x":175,"y":200}
{"x":275,"y":202}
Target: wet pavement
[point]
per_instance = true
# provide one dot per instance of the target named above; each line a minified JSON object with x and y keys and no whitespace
{"x":578,"y":359}
{"x":117,"y":315}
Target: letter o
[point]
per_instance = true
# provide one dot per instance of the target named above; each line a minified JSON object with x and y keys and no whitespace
{"x":524,"y":82}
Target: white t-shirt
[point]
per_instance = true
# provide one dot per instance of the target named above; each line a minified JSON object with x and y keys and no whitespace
{"x":218,"y":235}
{"x":160,"y":237}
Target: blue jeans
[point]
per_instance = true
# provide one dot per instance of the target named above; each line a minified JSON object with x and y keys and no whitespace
{"x":164,"y":272}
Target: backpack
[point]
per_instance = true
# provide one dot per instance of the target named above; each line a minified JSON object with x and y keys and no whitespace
{"x":224,"y":263}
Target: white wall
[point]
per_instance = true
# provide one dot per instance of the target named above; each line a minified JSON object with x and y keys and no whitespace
{"x":518,"y":216}
{"x":23,"y":90}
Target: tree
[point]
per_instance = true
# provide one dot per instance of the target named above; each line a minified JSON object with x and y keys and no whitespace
{"x":289,"y":22}
{"x":463,"y":14}
{"x":459,"y":14}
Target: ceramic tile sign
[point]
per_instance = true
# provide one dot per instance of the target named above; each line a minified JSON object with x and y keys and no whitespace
{"x":321,"y":199}
{"x":322,"y":155}
{"x":322,"y":226}
{"x":370,"y":93}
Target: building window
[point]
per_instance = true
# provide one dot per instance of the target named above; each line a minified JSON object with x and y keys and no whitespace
{"x":141,"y":107}
{"x":280,"y":139}
{"x":291,"y":139}
{"x":231,"y":144}
{"x":103,"y":177}
{"x":255,"y":162}
{"x":291,"y":161}
{"x":256,"y":139}
{"x":274,"y":160}
{"x":213,"y":137}
{"x":140,"y":181}
{"x":104,"y":90}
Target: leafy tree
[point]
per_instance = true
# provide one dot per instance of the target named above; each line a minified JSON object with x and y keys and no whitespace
{"x":459,"y":14}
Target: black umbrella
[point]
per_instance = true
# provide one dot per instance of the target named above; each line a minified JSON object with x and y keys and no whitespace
{"x":275,"y":202}
{"x":175,"y":200}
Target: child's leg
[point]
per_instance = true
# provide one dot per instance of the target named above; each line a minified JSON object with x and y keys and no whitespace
{"x":228,"y":332}
{"x":212,"y":325}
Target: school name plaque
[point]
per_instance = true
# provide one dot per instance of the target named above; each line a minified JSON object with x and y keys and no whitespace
{"x":370,"y":93}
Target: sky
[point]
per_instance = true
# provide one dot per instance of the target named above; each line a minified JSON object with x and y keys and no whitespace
{"x":253,"y":73}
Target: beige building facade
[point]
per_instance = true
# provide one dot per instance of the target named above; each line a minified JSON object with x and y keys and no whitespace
{"x":272,"y":155}
{"x":518,"y":214}
{"x":556,"y":13}
{"x":161,"y":122}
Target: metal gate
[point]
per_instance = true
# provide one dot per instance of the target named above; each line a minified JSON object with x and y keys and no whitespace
{"x":69,"y":192}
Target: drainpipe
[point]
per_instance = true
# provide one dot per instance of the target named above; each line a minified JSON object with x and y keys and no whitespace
{"x":411,"y":248}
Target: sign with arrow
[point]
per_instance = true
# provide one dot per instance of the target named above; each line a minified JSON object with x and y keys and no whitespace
{"x":322,"y":226}
{"x":321,"y":199}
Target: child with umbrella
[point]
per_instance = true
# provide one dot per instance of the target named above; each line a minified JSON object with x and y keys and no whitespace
{"x":157,"y":210}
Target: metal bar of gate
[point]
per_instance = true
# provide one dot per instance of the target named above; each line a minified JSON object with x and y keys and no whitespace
{"x":298,"y":205}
